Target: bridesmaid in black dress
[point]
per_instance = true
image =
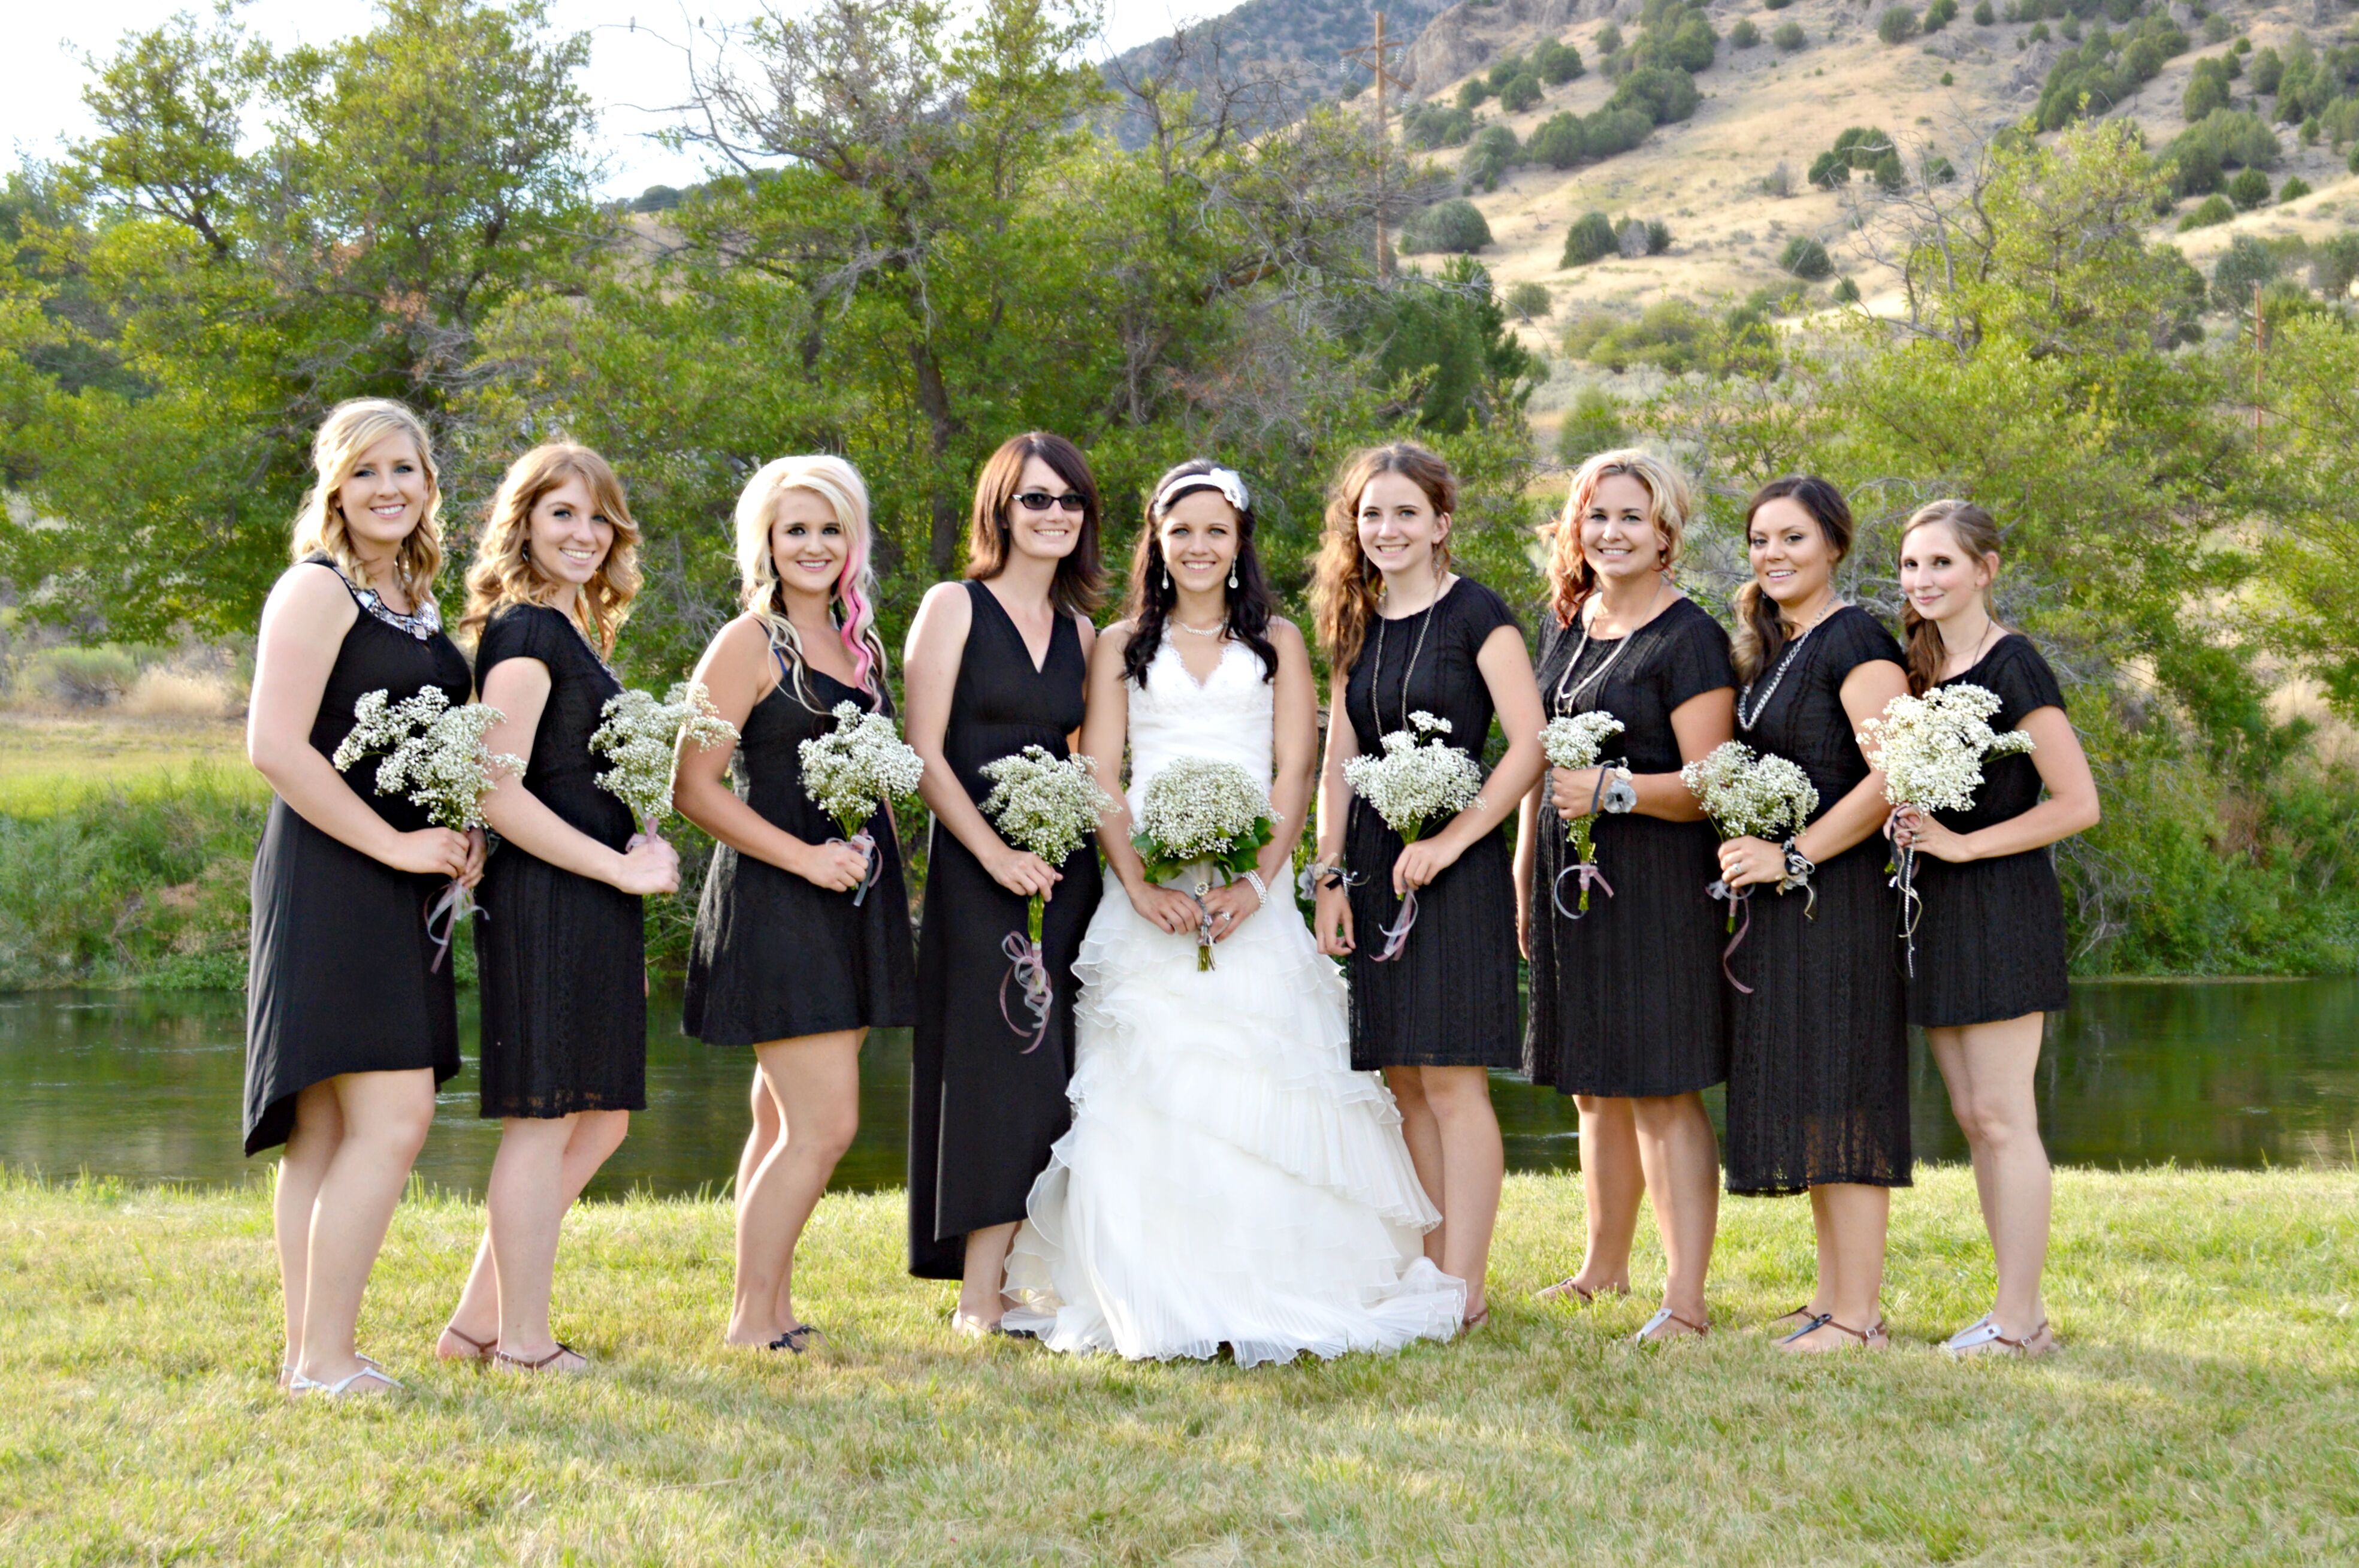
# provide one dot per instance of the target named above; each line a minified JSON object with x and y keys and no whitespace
{"x":1818,"y":1072}
{"x":993,"y":664}
{"x":559,"y":936}
{"x":1405,"y":634}
{"x":1990,"y":940}
{"x":1626,"y":1014}
{"x":350,"y":1018}
{"x":785,"y":960}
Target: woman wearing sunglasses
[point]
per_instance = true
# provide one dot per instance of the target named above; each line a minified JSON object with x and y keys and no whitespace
{"x":995,"y":664}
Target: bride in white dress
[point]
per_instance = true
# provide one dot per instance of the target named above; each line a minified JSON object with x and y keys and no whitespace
{"x":1227,"y":1178}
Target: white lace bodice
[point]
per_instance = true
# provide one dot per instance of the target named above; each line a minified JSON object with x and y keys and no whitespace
{"x":1231,"y":716}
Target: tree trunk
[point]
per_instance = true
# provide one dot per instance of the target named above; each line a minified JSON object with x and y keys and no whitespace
{"x":934,"y":399}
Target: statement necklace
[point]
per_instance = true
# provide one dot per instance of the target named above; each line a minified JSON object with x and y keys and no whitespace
{"x":1747,"y":721}
{"x":1570,"y":692}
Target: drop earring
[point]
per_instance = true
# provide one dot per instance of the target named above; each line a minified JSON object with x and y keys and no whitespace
{"x":1167,"y":580}
{"x":1232,"y":574}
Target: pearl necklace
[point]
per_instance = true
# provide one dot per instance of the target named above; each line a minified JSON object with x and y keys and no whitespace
{"x":1745,"y":721}
{"x":1199,"y":631}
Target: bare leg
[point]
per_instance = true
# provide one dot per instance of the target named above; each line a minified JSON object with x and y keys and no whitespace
{"x":813,"y":1083}
{"x":758,"y":1141}
{"x":1683,"y":1167}
{"x":542,"y":1165}
{"x":1423,"y":1136}
{"x":982,"y":1287}
{"x":477,"y":1316}
{"x":1990,"y":1070}
{"x":1852,"y":1220}
{"x":1611,"y":1186}
{"x":385,"y":1118}
{"x":595,"y":1137}
{"x":311,"y":1145}
{"x":1473,"y":1164}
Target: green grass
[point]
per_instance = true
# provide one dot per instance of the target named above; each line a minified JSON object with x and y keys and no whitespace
{"x":50,"y":764}
{"x":2205,"y":1409}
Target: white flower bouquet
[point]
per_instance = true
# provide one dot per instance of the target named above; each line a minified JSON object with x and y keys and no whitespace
{"x":1418,"y":776}
{"x":437,"y":755}
{"x":1201,"y":810}
{"x":1930,"y":750}
{"x":1750,"y":795}
{"x":854,"y":769}
{"x":1574,"y":742}
{"x":1049,"y":808}
{"x":639,"y":734}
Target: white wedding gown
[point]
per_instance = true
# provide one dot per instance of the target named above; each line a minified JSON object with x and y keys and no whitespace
{"x":1227,"y":1178}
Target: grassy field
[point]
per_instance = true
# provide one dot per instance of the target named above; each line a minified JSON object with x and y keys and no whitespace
{"x":2205,"y":1409}
{"x":49,"y":762}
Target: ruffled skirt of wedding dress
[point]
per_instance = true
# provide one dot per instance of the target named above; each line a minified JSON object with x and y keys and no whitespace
{"x":1227,"y":1178}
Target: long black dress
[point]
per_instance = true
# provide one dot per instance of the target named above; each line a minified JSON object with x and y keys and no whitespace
{"x":1449,"y":998}
{"x":1627,"y":999}
{"x":562,"y":957}
{"x":774,"y":956}
{"x":1990,"y":936}
{"x":1818,"y":1071}
{"x":343,"y":976}
{"x":982,"y":1113}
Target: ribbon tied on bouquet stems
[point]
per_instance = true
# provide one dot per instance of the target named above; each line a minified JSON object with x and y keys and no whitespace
{"x":1028,"y":970}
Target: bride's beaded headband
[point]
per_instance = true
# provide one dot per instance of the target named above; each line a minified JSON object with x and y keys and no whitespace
{"x":1228,"y":481}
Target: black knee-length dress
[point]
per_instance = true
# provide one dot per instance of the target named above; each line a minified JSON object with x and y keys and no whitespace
{"x":341,"y":976}
{"x":982,"y":1113}
{"x":1449,"y":998}
{"x":1627,"y":999}
{"x":778,"y":957}
{"x":561,"y":958}
{"x":1818,"y":1071}
{"x":1989,"y":934}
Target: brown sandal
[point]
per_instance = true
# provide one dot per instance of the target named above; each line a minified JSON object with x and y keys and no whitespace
{"x":1468,"y":1325}
{"x":1565,"y":1286}
{"x":477,"y":1350}
{"x":1663,"y":1315}
{"x":1869,"y":1338}
{"x":1799,"y":1314}
{"x":502,"y":1358}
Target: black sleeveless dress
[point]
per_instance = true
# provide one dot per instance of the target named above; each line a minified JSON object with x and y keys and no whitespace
{"x":341,"y":977}
{"x":1627,"y":999}
{"x":775,"y":957}
{"x":982,"y":1112}
{"x":1990,"y":935}
{"x":1449,"y":998}
{"x":562,"y":957}
{"x":1817,"y":1070}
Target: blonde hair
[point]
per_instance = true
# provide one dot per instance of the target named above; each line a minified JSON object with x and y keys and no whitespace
{"x":1977,"y":531}
{"x":1572,"y":579}
{"x":349,"y":430}
{"x":1345,"y":585}
{"x":504,"y":572}
{"x":837,"y":482}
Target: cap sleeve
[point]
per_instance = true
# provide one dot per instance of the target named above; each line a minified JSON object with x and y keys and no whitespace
{"x":520,"y":631}
{"x":1696,"y":660}
{"x":1480,"y":612}
{"x":2023,"y":681}
{"x":1855,"y":637}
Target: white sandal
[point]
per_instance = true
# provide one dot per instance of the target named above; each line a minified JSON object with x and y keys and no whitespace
{"x":1985,"y":1338}
{"x":298,"y":1384}
{"x":1664,"y":1316}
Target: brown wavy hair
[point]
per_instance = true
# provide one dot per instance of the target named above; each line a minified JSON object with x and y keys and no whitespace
{"x":1760,"y":635}
{"x":1978,"y":532}
{"x":350,"y":429}
{"x":1081,"y":577}
{"x":1344,"y":584}
{"x":1572,"y":579}
{"x":503,"y":572}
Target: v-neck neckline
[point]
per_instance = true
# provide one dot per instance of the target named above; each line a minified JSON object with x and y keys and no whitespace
{"x":1181,"y":659}
{"x":1039,"y":665}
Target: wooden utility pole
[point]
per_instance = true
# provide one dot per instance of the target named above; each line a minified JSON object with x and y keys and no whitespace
{"x":1373,"y":56}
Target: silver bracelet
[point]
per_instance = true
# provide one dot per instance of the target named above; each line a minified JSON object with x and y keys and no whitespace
{"x":1259,"y":888}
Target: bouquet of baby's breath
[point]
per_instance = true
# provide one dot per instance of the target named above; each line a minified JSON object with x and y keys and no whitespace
{"x":1930,"y":750}
{"x":1202,"y":811}
{"x":1748,"y":795}
{"x":1575,"y":741}
{"x":437,"y":753}
{"x":1418,"y":777}
{"x":1049,"y":808}
{"x":638,"y":735}
{"x":855,"y":767}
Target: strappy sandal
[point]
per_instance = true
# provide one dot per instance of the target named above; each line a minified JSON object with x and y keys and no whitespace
{"x":1565,"y":1286}
{"x":1468,"y":1325}
{"x":478,"y":1350}
{"x":298,"y":1385}
{"x":1663,"y":1315}
{"x":517,"y":1363}
{"x":1984,"y":1337}
{"x":1799,"y":1314}
{"x":1871,"y":1338}
{"x":796,"y":1339}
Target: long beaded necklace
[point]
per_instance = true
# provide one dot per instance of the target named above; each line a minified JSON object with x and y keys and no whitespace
{"x":1376,"y":669}
{"x":1745,"y":721}
{"x":1568,"y":691}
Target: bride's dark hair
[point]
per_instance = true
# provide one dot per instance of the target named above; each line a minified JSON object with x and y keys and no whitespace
{"x":1152,"y":593}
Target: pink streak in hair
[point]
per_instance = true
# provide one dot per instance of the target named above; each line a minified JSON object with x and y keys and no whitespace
{"x":858,"y":612}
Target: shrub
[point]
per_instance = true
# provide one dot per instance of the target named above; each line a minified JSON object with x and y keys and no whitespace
{"x":1888,"y":173}
{"x":1472,"y":91}
{"x":2353,"y":164}
{"x":1830,"y":169}
{"x":1846,"y":292}
{"x":2245,"y":266}
{"x":2207,"y":90}
{"x":1940,"y":14}
{"x":1530,"y":300}
{"x":1609,"y":39}
{"x":1611,"y":130}
{"x":1778,"y":182}
{"x":1454,"y":227}
{"x":2216,"y":29}
{"x":1520,"y":92}
{"x":2038,"y":33}
{"x":1665,"y":95}
{"x":2334,"y":262}
{"x":1493,"y":152}
{"x":1591,"y":238}
{"x":1594,"y":424}
{"x":2294,"y":189}
{"x":1503,"y":70}
{"x":1691,"y":46}
{"x":1897,"y":24}
{"x":2268,"y":71}
{"x":1659,"y":236}
{"x":1806,"y":258}
{"x":2215,"y":209}
{"x":1776,"y":4}
{"x":1432,"y":126}
{"x":1558,"y":142}
{"x":1938,"y":170}
{"x":1789,"y":37}
{"x":2249,"y":188}
{"x":1745,"y":34}
{"x":2236,"y":138}
{"x":1557,"y":64}
{"x":1983,"y":15}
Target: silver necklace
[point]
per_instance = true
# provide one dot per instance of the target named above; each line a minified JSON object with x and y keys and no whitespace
{"x":1989,"y":625}
{"x":1747,"y":721}
{"x":1377,"y":668}
{"x":1566,"y":698}
{"x":1199,"y":631}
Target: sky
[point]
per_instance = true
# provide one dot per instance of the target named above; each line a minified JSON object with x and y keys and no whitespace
{"x":635,"y":66}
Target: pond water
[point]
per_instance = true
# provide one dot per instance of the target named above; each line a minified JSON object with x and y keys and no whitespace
{"x":146,"y":1086}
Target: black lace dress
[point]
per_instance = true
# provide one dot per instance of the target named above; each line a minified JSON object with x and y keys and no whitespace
{"x":774,"y":956}
{"x":1627,"y":999}
{"x":1990,"y":934}
{"x":1449,"y":998}
{"x":343,"y":976}
{"x":985,"y":1103}
{"x":562,"y":957}
{"x":1817,"y":1072}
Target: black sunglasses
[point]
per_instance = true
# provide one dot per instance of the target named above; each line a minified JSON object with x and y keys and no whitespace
{"x":1040,"y":501}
